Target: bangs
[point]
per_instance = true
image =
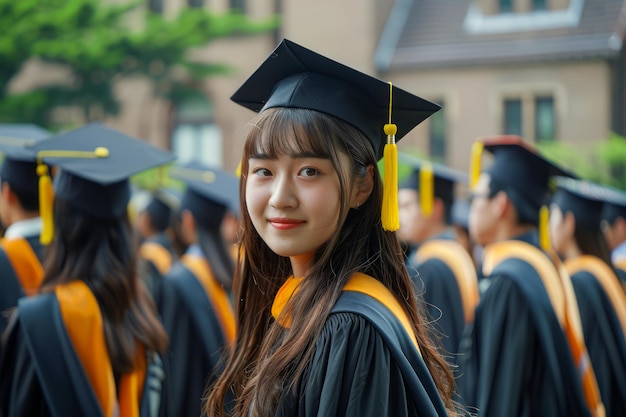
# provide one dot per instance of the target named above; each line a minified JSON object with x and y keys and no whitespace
{"x":291,"y":132}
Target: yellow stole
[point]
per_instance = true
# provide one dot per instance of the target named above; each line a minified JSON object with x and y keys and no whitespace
{"x":358,"y":282}
{"x":25,"y":264}
{"x":607,"y":278}
{"x":83,"y":322}
{"x":158,"y":255}
{"x":215,"y":292}
{"x":459,"y":261}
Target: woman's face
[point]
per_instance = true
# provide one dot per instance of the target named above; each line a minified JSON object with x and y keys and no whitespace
{"x":559,"y":233}
{"x":294,"y":204}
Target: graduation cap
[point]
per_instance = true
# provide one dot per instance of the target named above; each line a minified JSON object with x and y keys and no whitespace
{"x":614,"y":205}
{"x":210,"y":192}
{"x":296,"y":77}
{"x":19,"y":167}
{"x":95,"y":165}
{"x":519,"y":169}
{"x":161,"y":205}
{"x":431,"y":180}
{"x":583,"y":199}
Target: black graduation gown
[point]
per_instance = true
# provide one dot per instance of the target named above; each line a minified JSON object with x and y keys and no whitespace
{"x":515,"y":360}
{"x":605,"y":341}
{"x":196,"y":342}
{"x":364,"y":364}
{"x":41,"y":374}
{"x":150,"y":273}
{"x":10,"y":284}
{"x":438,"y":287}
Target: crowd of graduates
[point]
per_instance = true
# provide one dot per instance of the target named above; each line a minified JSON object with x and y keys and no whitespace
{"x":267,"y":294}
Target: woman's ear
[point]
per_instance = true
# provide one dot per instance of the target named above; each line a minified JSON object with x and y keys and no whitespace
{"x":363,"y":188}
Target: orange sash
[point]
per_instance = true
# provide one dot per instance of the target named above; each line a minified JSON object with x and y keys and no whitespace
{"x":559,"y":288}
{"x":25,"y":263}
{"x":358,"y":282}
{"x":158,"y":255}
{"x":459,"y":261}
{"x":609,"y":281}
{"x":83,"y":321}
{"x":215,"y":292}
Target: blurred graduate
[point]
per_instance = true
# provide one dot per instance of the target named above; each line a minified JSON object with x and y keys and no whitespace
{"x":524,"y":355}
{"x":614,"y":228}
{"x":87,"y":344}
{"x":575,"y":216}
{"x":441,"y":269}
{"x":21,"y":252}
{"x":195,"y":303}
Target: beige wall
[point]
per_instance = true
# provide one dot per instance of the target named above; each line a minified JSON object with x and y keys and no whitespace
{"x":473,"y":101}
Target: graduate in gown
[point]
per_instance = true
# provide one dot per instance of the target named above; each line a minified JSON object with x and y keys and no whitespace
{"x":21,"y":252}
{"x":575,"y":214}
{"x":442,"y":270}
{"x":328,"y":321}
{"x":614,"y":228}
{"x":86,"y":344}
{"x":524,"y":355}
{"x":195,"y":303}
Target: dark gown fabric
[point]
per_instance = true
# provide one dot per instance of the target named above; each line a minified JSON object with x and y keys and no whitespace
{"x":41,"y":374}
{"x":515,"y":358}
{"x":605,"y":341}
{"x":10,"y":284}
{"x":196,"y":342}
{"x":150,"y":273}
{"x":365,"y":364}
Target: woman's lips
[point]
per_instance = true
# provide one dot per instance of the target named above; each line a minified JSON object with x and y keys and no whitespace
{"x":283,"y":223}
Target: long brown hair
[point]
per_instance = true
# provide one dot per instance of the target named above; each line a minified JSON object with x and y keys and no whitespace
{"x":265,"y":355}
{"x":101,"y":253}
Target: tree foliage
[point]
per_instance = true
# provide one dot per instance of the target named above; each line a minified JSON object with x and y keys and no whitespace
{"x":98,"y":45}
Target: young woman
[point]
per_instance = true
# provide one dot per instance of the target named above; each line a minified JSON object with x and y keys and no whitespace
{"x":575,"y":216}
{"x":328,"y":322}
{"x":85,"y":344}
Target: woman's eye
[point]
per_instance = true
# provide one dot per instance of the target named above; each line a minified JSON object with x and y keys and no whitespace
{"x":262,"y":172}
{"x":309,"y":172}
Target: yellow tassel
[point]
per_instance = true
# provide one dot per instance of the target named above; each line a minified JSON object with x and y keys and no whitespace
{"x":475,"y":163}
{"x":46,"y":204}
{"x":544,"y":233}
{"x":238,"y":170}
{"x":390,"y":216}
{"x":427,"y":189}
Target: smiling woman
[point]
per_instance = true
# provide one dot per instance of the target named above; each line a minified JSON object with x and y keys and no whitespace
{"x":323,"y":295}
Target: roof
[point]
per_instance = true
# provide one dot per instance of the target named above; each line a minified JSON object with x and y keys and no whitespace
{"x":426,"y":33}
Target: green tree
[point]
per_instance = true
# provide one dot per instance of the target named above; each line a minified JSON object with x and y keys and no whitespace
{"x":94,"y":41}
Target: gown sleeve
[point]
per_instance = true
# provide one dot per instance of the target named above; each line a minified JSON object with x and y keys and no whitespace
{"x":352,"y":373}
{"x":20,"y":390}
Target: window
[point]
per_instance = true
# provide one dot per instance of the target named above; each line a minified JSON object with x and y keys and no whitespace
{"x":238,"y":5}
{"x":195,"y":4}
{"x":196,"y":137}
{"x":540,"y":5}
{"x":155,"y":6}
{"x":545,"y":124}
{"x":437,"y":135}
{"x":513,"y":117}
{"x":506,"y":6}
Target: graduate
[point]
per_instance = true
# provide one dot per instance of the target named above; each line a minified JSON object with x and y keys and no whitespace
{"x":195,"y":303}
{"x":575,"y":215}
{"x":614,"y":228}
{"x":328,"y":321}
{"x":21,"y":252}
{"x":524,"y":355}
{"x":441,"y":269}
{"x":87,"y":344}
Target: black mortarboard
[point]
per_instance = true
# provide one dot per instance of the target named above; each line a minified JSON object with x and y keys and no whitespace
{"x":518,"y":166}
{"x":296,"y":77}
{"x":19,"y":167}
{"x":95,"y":164}
{"x":582,"y":198}
{"x":614,"y":205}
{"x":209,"y":194}
{"x":436,"y":177}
